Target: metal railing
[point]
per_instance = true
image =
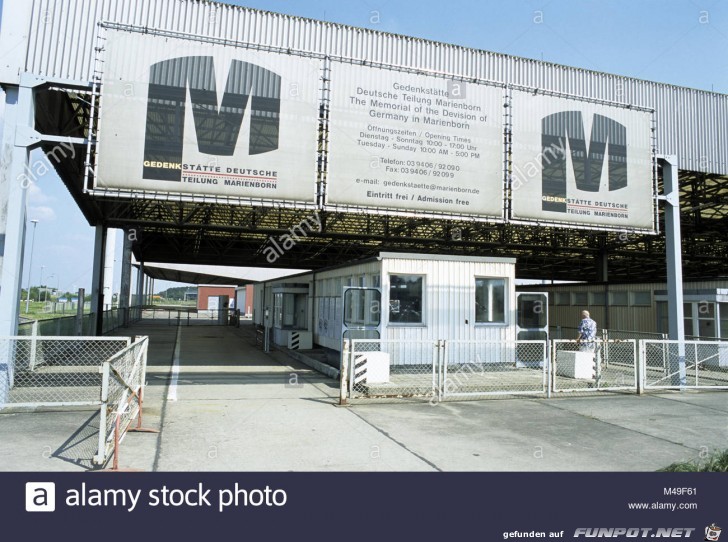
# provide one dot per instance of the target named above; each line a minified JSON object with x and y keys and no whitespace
{"x":104,"y":372}
{"x":122,"y":391}
{"x":571,"y":333}
{"x":610,"y":365}
{"x":184,"y":317}
{"x":439,"y":370}
{"x":53,"y":371}
{"x":476,"y":368}
{"x":380,"y":369}
{"x":705,"y":365}
{"x":68,"y":326}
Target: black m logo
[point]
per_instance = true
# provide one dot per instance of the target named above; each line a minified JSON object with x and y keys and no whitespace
{"x":608,"y":141}
{"x":217,"y":129}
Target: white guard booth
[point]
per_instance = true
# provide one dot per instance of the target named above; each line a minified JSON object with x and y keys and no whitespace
{"x":424,"y":297}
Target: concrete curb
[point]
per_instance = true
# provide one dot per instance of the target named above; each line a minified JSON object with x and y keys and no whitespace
{"x":314,"y":364}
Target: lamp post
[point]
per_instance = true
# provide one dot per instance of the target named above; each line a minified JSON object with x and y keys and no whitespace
{"x":30,"y":267}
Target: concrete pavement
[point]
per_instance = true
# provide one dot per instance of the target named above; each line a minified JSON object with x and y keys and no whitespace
{"x":223,"y":405}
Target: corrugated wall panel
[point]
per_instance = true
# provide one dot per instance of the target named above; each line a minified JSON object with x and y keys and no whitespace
{"x":449,"y":300}
{"x":633,"y":318}
{"x":62,"y":36}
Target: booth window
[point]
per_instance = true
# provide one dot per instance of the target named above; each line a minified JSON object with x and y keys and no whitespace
{"x":405,"y":299}
{"x":642,"y":299}
{"x":490,"y":301}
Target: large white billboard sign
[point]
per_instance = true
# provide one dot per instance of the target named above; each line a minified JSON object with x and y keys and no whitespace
{"x":581,"y":163}
{"x":414,"y":143}
{"x":180,"y":116}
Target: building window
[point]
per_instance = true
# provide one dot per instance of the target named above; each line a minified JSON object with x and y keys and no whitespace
{"x":562,"y":298}
{"x":706,"y":320}
{"x":723,"y":309}
{"x":598,"y":299}
{"x":642,"y":299}
{"x":618,"y":298}
{"x":688,"y":319}
{"x":405,"y":299}
{"x":490,"y":301}
{"x":580,"y":299}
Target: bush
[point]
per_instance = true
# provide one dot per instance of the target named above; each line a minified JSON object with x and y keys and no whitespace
{"x":717,"y":462}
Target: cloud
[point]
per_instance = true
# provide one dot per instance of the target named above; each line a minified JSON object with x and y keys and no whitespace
{"x":42,"y":213}
{"x":36,"y":196}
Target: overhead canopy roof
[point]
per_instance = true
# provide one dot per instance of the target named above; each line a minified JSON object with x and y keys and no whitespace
{"x":208,"y":233}
{"x":173,"y":231}
{"x":213,"y":274}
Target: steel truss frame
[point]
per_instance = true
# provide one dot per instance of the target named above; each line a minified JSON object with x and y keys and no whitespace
{"x":176,"y":231}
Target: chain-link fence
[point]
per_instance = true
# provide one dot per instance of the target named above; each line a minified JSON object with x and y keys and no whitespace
{"x":392,"y":369}
{"x":69,"y":326}
{"x":439,"y":370}
{"x":53,"y":371}
{"x":122,"y":386}
{"x":477,"y":368}
{"x":704,"y":365}
{"x":444,"y":370}
{"x":594,"y":366}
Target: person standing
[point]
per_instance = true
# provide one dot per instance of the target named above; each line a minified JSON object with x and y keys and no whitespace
{"x":587,"y":333}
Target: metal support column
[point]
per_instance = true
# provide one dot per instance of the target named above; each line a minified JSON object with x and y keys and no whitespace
{"x":97,"y":282}
{"x":673,"y":244}
{"x":125,"y":287}
{"x":602,"y":265}
{"x":17,"y":142}
{"x":602,"y":262}
{"x":140,"y":286}
{"x":109,"y":261}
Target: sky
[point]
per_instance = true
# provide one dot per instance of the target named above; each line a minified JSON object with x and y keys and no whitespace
{"x":682,"y":42}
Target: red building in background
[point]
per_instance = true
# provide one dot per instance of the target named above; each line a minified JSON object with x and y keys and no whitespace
{"x":204,"y":293}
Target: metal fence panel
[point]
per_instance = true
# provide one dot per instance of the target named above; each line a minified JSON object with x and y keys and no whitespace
{"x":706,"y":364}
{"x":68,"y":326}
{"x":393,"y":369}
{"x":600,"y":366}
{"x":54,"y":371}
{"x":439,"y":370}
{"x":124,"y":375}
{"x":476,"y":368}
{"x":183,"y":317}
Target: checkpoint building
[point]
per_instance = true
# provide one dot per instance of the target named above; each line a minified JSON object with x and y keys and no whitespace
{"x":326,"y":144}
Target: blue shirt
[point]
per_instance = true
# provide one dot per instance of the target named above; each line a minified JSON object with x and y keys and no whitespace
{"x":588,"y":330}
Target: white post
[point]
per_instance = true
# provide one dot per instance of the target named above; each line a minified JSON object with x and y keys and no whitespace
{"x":109,"y":259}
{"x":15,"y":178}
{"x":33,"y":346}
{"x":343,"y":373}
{"x":673,"y":246}
{"x":100,"y":457}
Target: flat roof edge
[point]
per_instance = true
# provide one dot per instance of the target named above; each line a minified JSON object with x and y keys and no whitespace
{"x":446,"y":257}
